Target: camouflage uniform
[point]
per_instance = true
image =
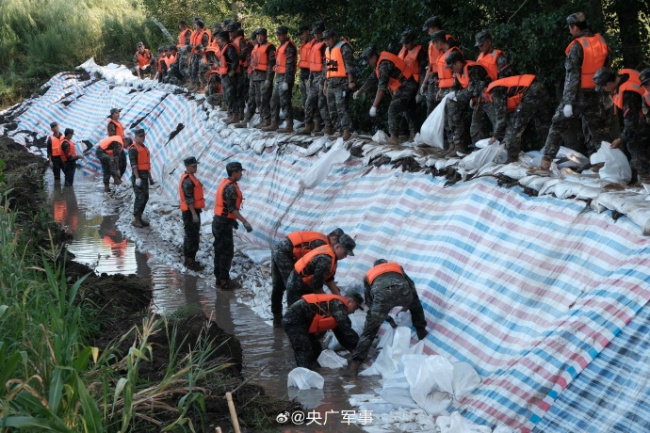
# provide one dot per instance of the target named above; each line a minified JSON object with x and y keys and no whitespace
{"x":192,"y":229}
{"x":338,"y":94}
{"x":316,"y":103}
{"x":242,"y":78}
{"x":222,"y":229}
{"x":281,"y":99}
{"x":587,"y":104}
{"x":306,"y":346}
{"x":108,"y":162}
{"x":57,"y":162}
{"x":483,"y":114}
{"x":259,"y":93}
{"x":195,"y":61}
{"x":388,"y":291}
{"x":510,"y":127}
{"x":636,"y":131}
{"x":456,"y":111}
{"x":229,"y":81}
{"x":70,"y":165}
{"x":141,"y":192}
{"x":282,"y":264}
{"x":319,"y":267}
{"x":402,"y":102}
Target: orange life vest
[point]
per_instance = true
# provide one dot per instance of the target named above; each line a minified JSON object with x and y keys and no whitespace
{"x":334,"y":61}
{"x":595,"y":53}
{"x":405,"y":70}
{"x":316,"y":56}
{"x":633,"y":84}
{"x":72,"y":150}
{"x":170,"y":60}
{"x":516,"y":89}
{"x":197,"y":37}
{"x":143,"y":58}
{"x":281,"y":58}
{"x":223,"y":65}
{"x":144,"y":158}
{"x":322,"y":321}
{"x":181,"y":37}
{"x":382,"y":269}
{"x":410,"y":57}
{"x":159,"y":63}
{"x":260,"y":57}
{"x":463,"y":79}
{"x":56,"y":144}
{"x":301,"y":242}
{"x":434,"y":54}
{"x":445,"y":75}
{"x":107,"y":142}
{"x":220,"y":203}
{"x":237,"y":44}
{"x":199,"y":199}
{"x":300,"y":265}
{"x":305,"y":50}
{"x":119,"y":129}
{"x":489,"y":62}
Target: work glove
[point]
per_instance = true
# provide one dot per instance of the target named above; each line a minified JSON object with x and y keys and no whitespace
{"x":373,"y":111}
{"x":422,"y":333}
{"x":231,"y":74}
{"x":284,"y":87}
{"x":248,"y":227}
{"x":567,"y":110}
{"x":138,"y":182}
{"x":391,"y":322}
{"x":418,"y":98}
{"x":355,"y":95}
{"x":195,"y":218}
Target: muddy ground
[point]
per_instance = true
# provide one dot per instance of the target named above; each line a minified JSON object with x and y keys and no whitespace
{"x":121,"y":302}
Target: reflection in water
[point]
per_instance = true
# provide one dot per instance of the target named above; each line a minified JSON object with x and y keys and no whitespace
{"x":99,"y":245}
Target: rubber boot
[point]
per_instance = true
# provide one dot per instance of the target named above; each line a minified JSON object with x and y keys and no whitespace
{"x":243,"y":123}
{"x":346,"y":135}
{"x":228,"y":285}
{"x":137,"y":221}
{"x":287,"y":129}
{"x":451,"y":152}
{"x":263,"y":124}
{"x":307,"y":129}
{"x":223,"y":107}
{"x":277,"y":321}
{"x":193,"y":265}
{"x":144,"y":222}
{"x":272,"y":127}
{"x":393,"y":140}
{"x":232,"y":119}
{"x":317,"y":126}
{"x":107,"y":188}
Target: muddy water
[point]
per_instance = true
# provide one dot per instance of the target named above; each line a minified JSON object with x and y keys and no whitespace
{"x":90,"y":218}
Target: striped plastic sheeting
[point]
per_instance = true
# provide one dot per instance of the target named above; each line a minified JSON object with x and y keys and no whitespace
{"x":613,"y":393}
{"x":528,"y":290}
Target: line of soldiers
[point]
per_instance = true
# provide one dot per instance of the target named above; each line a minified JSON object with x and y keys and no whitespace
{"x":62,"y":154}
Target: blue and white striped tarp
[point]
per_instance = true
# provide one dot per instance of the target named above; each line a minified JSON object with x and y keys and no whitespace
{"x":529,"y":290}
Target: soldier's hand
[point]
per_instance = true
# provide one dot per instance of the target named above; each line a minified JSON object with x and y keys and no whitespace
{"x":248,"y":227}
{"x":492,"y":140}
{"x":351,"y":85}
{"x":231,"y":74}
{"x":284,"y":87}
{"x":616,"y":144}
{"x":373,"y":111}
{"x":567,"y":110}
{"x":195,"y":218}
{"x":138,"y":182}
{"x":355,"y":95}
{"x":151,"y":181}
{"x":421,"y":90}
{"x":422,"y":333}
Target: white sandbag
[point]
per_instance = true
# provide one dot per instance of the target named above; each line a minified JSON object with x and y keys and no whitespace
{"x":400,"y":397}
{"x":493,"y":154}
{"x":380,"y":137}
{"x":430,"y":379}
{"x":617,"y":168}
{"x":485,"y":142}
{"x":320,"y":169}
{"x":457,"y":424}
{"x":316,"y":146}
{"x":386,"y":339}
{"x":330,"y":359}
{"x":399,"y":154}
{"x":465,"y":380}
{"x":433,"y":129}
{"x":389,"y":360}
{"x":308,"y":398}
{"x":303,"y":378}
{"x":570,"y":158}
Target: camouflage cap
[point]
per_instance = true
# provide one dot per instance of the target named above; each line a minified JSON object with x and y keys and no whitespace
{"x":231,"y":27}
{"x":603,"y":76}
{"x":303,"y":29}
{"x":440,"y":35}
{"x":262,"y":31}
{"x":453,"y":57}
{"x":234,"y":166}
{"x":282,"y":30}
{"x":576,"y":18}
{"x":329,"y":33}
{"x":368,"y":53}
{"x":54,"y":124}
{"x":337,"y":233}
{"x":190,"y":161}
{"x":139,"y":132}
{"x":379,"y":262}
{"x":481,"y":37}
{"x":644,"y":76}
{"x":432,"y":22}
{"x":348,"y":243}
{"x":68,"y":131}
{"x":224,"y":35}
{"x":356,"y":297}
{"x":408,"y":35}
{"x":318,"y":27}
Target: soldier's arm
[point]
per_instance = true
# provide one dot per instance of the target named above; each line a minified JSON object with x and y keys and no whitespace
{"x":573,"y":66}
{"x":188,"y":191}
{"x":48,"y":144}
{"x":367,"y":292}
{"x":111,"y":128}
{"x":205,"y":40}
{"x":348,"y":59}
{"x":65,"y":147}
{"x":322,"y":265}
{"x":370,"y":82}
{"x":291,"y":61}
{"x":133,"y":160}
{"x":503,"y":66}
{"x":500,"y":113}
{"x":233,"y":57}
{"x":186,"y":40}
{"x":631,"y":109}
{"x":343,"y":331}
{"x":271,"y":57}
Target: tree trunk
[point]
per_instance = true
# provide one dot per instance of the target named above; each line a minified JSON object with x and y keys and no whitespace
{"x":627,"y":13}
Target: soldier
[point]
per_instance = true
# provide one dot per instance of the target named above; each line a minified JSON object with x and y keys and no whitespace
{"x":283,"y":258}
{"x":200,"y":39}
{"x":303,"y":61}
{"x":69,"y":157}
{"x":627,"y":95}
{"x":314,"y":314}
{"x":53,"y":145}
{"x":260,"y":80}
{"x":339,"y":80}
{"x":285,"y":74}
{"x":184,"y":47}
{"x":243,"y":48}
{"x":428,"y":86}
{"x":387,"y":286}
{"x":228,"y":201}
{"x":393,"y":76}
{"x":413,"y":55}
{"x":114,"y":127}
{"x":107,"y":152}
{"x":316,"y":268}
{"x":190,"y":190}
{"x":517,"y":101}
{"x":229,"y":69}
{"x":316,"y":111}
{"x":142,"y":60}
{"x":141,"y":177}
{"x":586,"y":53}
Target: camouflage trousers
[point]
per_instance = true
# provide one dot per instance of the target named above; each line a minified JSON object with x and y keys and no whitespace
{"x":639,"y":150}
{"x":316,"y":103}
{"x":57,"y":167}
{"x":281,"y":266}
{"x":224,"y":247}
{"x":281,"y":99}
{"x":338,"y":102}
{"x":192,"y":234}
{"x":241,"y":84}
{"x":589,"y":107}
{"x":108,"y":166}
{"x":183,"y":62}
{"x":306,"y":346}
{"x":455,"y":118}
{"x":259,"y":96}
{"x":69,"y":168}
{"x":304,"y":86}
{"x":533,"y":108}
{"x":230,"y":97}
{"x":194,"y":69}
{"x":141,"y":192}
{"x":430,"y":96}
{"x":296,"y":288}
{"x":483,"y":120}
{"x":403,"y":103}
